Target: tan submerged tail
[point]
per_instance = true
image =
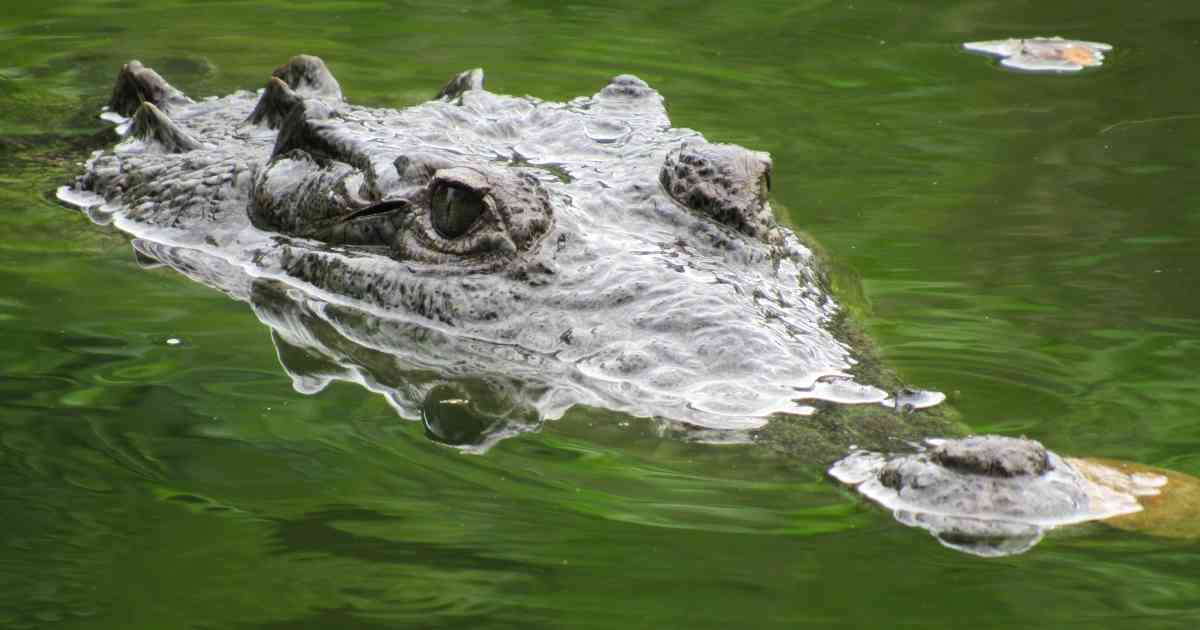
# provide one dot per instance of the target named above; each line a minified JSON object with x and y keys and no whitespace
{"x":1172,"y":512}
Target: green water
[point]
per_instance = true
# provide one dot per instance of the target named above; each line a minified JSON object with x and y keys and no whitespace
{"x":1028,"y":244}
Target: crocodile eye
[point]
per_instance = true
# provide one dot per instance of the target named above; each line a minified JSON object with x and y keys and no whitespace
{"x":455,"y":210}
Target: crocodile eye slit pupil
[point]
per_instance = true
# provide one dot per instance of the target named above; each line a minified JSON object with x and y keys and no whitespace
{"x":455,"y":210}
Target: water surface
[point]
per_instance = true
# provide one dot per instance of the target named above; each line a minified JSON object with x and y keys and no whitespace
{"x":1027,"y":244}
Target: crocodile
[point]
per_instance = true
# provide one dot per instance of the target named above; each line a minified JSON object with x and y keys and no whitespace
{"x":487,"y":262}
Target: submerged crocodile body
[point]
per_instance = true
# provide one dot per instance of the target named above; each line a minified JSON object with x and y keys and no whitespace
{"x":552,"y":254}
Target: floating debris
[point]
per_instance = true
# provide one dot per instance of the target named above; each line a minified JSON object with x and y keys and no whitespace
{"x":1043,"y":54}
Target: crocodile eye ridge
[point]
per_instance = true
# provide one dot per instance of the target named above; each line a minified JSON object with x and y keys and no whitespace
{"x":728,"y":183}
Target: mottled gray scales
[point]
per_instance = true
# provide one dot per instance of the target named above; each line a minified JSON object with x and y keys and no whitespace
{"x":152,"y":126}
{"x":586,"y":250}
{"x":137,"y":84}
{"x":727,"y":182}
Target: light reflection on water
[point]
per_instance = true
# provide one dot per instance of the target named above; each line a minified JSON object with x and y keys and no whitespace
{"x":1014,"y":256}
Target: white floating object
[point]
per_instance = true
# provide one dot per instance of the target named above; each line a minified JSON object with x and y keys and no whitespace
{"x":172,"y":341}
{"x":1043,"y":54}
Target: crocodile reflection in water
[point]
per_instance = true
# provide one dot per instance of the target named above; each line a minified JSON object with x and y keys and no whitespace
{"x":421,"y":372}
{"x":548,"y":254}
{"x":465,"y":393}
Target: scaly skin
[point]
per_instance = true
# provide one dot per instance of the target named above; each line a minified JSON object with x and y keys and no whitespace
{"x":605,"y":256}
{"x":530,"y":256}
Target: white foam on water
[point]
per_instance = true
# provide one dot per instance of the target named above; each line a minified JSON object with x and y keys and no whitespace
{"x":122,"y":123}
{"x":113,"y":117}
{"x":79,"y":199}
{"x":844,"y":391}
{"x":914,"y":399}
{"x":857,"y":467}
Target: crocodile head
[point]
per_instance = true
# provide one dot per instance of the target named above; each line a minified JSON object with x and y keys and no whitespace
{"x":587,"y":247}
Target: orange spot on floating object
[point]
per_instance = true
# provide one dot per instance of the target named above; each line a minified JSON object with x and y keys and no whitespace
{"x":1043,"y":54}
{"x":1083,"y":56}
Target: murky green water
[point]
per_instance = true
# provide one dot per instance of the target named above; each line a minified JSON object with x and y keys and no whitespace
{"x":1028,"y":245}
